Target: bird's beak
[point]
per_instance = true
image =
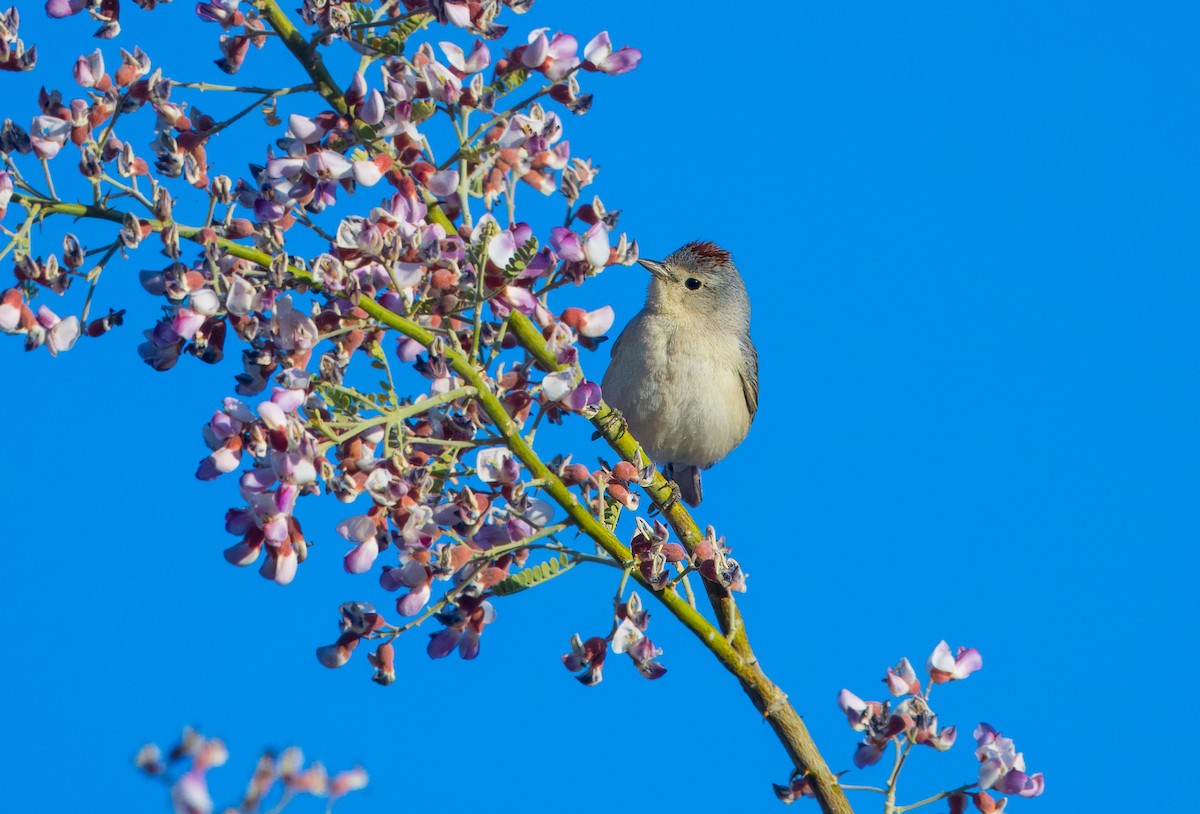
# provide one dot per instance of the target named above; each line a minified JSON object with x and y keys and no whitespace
{"x":658,"y":270}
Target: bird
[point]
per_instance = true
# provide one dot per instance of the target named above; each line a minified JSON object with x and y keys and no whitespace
{"x":684,"y":372}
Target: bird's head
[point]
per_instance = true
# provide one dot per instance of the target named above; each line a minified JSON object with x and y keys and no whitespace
{"x":698,"y":279}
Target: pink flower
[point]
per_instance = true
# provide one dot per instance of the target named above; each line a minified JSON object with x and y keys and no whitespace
{"x":224,"y":12}
{"x":513,"y":298}
{"x":585,"y":398}
{"x":943,"y":667}
{"x":629,"y":639}
{"x":858,"y":712}
{"x":89,"y":70}
{"x":591,"y":324}
{"x":479,"y":58}
{"x":922,"y":724}
{"x":986,"y":803}
{"x":360,"y":529}
{"x":189,"y":794}
{"x":555,"y":57}
{"x":60,"y":333}
{"x":876,"y":720}
{"x":566,"y":244}
{"x":345,"y":782}
{"x":466,"y":626}
{"x":596,"y":245}
{"x":312,"y":780}
{"x":280,"y":564}
{"x":384,"y":662}
{"x":48,"y":134}
{"x":599,"y":56}
{"x":412,"y":602}
{"x":903,"y":679}
{"x":64,"y":8}
{"x":586,"y":656}
{"x":6,"y":192}
{"x":496,"y":465}
{"x":1002,"y":767}
{"x":337,"y":654}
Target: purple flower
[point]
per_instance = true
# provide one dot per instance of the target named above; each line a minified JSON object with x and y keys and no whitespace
{"x":922,"y":724}
{"x":629,"y":639}
{"x":566,"y":244}
{"x":6,"y":192}
{"x":1002,"y":767}
{"x":479,"y":58}
{"x":224,"y":12}
{"x":584,"y":398}
{"x":60,"y":333}
{"x":943,"y":667}
{"x":47,"y":135}
{"x":555,"y":57}
{"x":189,"y":794}
{"x":496,"y":465}
{"x":592,"y":324}
{"x":411,"y":603}
{"x":513,"y":298}
{"x":64,"y":8}
{"x":874,"y":719}
{"x":464,"y":630}
{"x":599,"y":56}
{"x":903,"y":679}
{"x":587,"y":657}
{"x":89,"y":70}
{"x":857,"y":711}
{"x":360,"y":529}
{"x":592,"y":248}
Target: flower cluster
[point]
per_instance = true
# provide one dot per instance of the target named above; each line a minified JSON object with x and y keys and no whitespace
{"x":586,"y":658}
{"x":913,"y":718}
{"x":1002,"y":767}
{"x":13,"y":55}
{"x":913,"y":722}
{"x":454,"y":519}
{"x":186,"y":766}
{"x":653,"y":554}
{"x":286,"y":463}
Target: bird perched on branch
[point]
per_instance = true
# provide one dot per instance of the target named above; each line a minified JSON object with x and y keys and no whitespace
{"x":684,"y":373}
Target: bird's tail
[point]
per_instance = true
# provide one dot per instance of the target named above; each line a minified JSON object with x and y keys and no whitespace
{"x":688,"y":479}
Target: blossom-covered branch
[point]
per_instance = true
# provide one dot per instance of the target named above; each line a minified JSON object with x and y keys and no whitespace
{"x":398,"y":351}
{"x":912,"y":722}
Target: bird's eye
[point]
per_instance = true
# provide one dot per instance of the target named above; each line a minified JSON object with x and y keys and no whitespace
{"x":692,"y":283}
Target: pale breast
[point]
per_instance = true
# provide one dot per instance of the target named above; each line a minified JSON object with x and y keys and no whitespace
{"x":679,"y":389}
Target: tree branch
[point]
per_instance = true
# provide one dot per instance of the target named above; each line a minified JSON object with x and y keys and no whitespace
{"x":732,"y":649}
{"x":767,"y":697}
{"x":308,"y":56}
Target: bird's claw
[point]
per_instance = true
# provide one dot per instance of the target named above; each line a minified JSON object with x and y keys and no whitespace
{"x":674,"y":499}
{"x":614,"y":418}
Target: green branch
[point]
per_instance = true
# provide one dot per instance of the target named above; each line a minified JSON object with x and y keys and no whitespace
{"x":729,"y":645}
{"x":308,"y":57}
{"x":658,"y":489}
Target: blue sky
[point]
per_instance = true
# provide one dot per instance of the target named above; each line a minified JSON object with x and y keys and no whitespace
{"x":969,"y":233}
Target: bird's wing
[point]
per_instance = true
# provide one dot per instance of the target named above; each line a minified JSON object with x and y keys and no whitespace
{"x":630,"y":328}
{"x":749,"y":376}
{"x":612,"y":353}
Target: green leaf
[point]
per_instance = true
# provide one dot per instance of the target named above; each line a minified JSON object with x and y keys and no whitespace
{"x":612,"y":513}
{"x":534,"y":575}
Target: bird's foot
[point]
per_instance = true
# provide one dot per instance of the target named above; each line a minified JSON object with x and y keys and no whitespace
{"x":612,"y":419}
{"x":674,"y":499}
